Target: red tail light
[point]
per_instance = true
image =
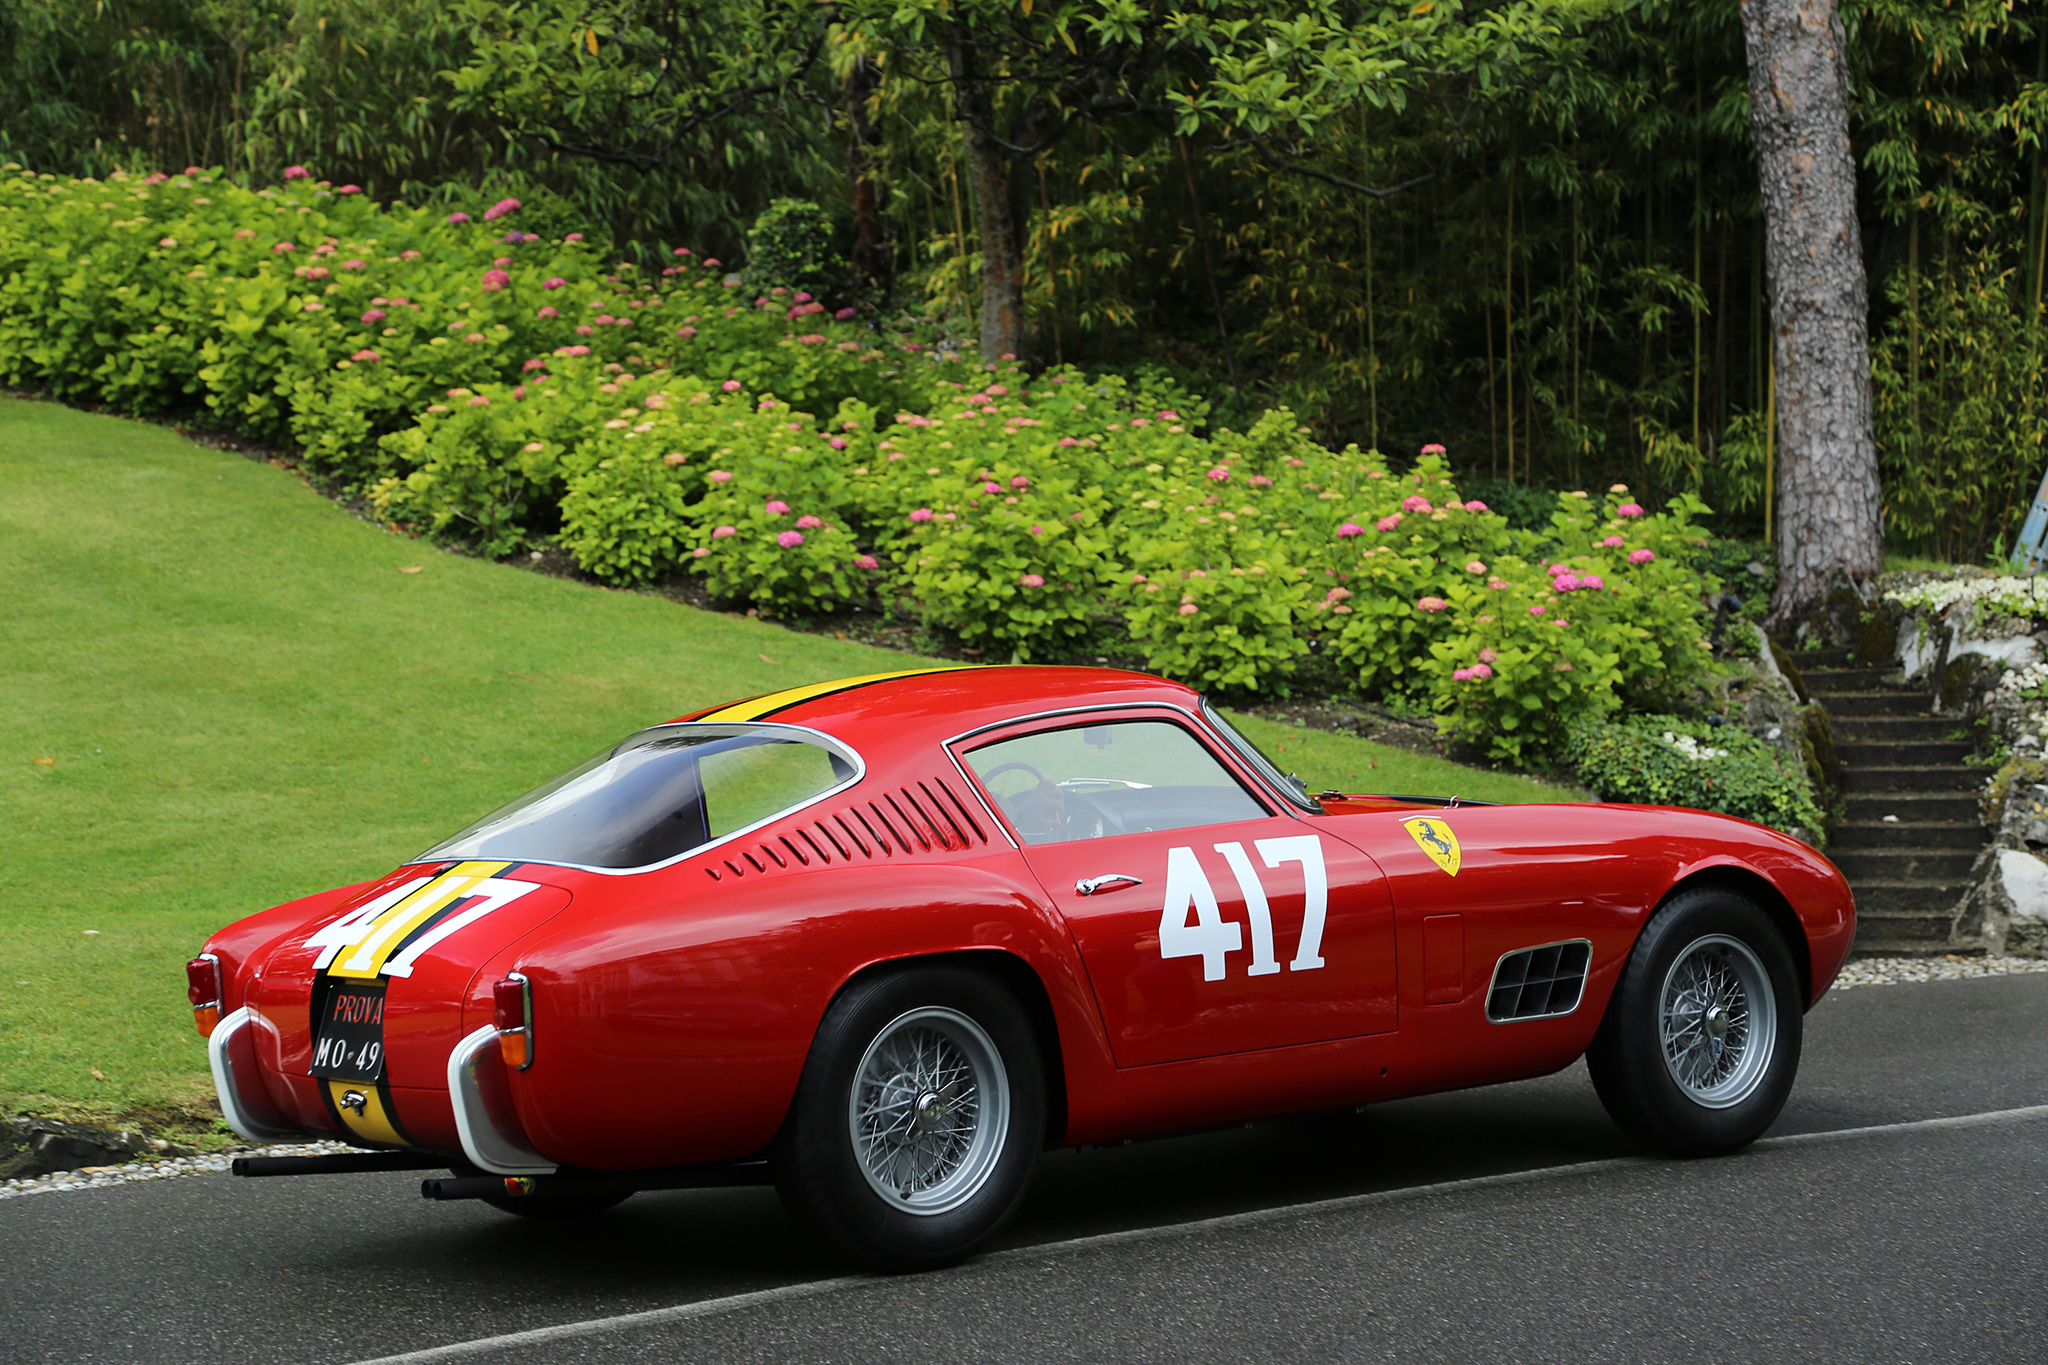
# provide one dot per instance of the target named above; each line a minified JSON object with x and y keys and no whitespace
{"x":512,"y":1012}
{"x":202,"y":988}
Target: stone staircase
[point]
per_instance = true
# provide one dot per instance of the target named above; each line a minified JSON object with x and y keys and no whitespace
{"x":1898,"y":760}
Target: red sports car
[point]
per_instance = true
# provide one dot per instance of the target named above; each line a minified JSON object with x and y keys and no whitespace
{"x":884,"y":940}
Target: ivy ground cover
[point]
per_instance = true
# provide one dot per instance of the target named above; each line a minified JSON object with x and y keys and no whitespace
{"x":480,"y":382}
{"x":224,"y":692}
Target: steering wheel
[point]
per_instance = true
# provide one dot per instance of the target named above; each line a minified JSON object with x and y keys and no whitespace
{"x":993,"y":773}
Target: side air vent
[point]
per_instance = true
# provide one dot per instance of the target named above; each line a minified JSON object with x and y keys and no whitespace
{"x":1539,"y":983}
{"x":916,"y":818}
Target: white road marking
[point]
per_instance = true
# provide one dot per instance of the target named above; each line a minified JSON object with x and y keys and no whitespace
{"x":734,"y":1303}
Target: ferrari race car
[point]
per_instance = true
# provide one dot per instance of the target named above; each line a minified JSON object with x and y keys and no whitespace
{"x":882,"y":941}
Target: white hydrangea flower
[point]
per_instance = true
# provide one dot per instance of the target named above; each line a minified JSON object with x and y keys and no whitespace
{"x":1693,"y":749}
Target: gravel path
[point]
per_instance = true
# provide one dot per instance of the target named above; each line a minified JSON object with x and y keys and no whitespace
{"x":1869,"y":971}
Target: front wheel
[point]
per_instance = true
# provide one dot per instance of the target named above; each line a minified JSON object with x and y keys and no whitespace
{"x":918,"y":1119}
{"x":1700,"y":1044}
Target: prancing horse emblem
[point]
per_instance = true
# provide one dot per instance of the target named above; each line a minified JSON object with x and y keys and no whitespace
{"x":356,"y":1100}
{"x":1434,"y":837}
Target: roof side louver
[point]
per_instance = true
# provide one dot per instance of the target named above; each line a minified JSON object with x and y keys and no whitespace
{"x":915,"y":818}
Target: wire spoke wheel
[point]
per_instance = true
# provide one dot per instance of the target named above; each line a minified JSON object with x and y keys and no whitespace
{"x":1717,"y":1021}
{"x":928,"y":1110}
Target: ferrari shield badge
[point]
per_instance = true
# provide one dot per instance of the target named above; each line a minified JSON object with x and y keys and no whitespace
{"x":1434,"y":837}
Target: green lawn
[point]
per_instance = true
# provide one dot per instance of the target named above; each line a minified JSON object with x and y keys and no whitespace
{"x":222,"y":691}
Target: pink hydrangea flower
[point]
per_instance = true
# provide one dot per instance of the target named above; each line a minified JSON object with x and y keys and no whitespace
{"x":373,"y":315}
{"x":1561,"y":666}
{"x":1593,"y":582}
{"x":1461,"y":675}
{"x":409,"y":254}
{"x":789,"y":540}
{"x":577,"y":237}
{"x":1432,"y":449}
{"x":1261,"y":481}
{"x":1389,"y":522}
{"x":866,"y":562}
{"x":1555,"y":569}
{"x":991,"y":486}
{"x":549,"y":311}
{"x":1415,"y":502}
{"x":585,"y":330}
{"x":701,"y":552}
{"x":725,"y":532}
{"x":1188,"y":609}
{"x":1566,"y":582}
{"x":553,"y":282}
{"x":837,"y":443}
{"x":500,"y":209}
{"x":458,"y":217}
{"x":367,"y":357}
{"x":921,"y":514}
{"x":808,"y":522}
{"x":1168,"y":415}
{"x":1220,"y":474}
{"x":1032,"y":580}
{"x":1641,"y":556}
{"x":1352,"y":528}
{"x":355,"y":265}
{"x":350,"y":189}
{"x":1433,"y":604}
{"x":1481,"y":671}
{"x":1487,"y":656}
{"x":675,"y":457}
{"x":479,"y":402}
{"x":1475,"y":507}
{"x":1068,"y":441}
{"x":685,"y":333}
{"x":296,"y":173}
{"x":1475,"y":567}
{"x":495,"y":280}
{"x":731,"y":386}
{"x":283,"y":248}
{"x":168,"y":241}
{"x":720,"y":476}
{"x":1536,"y":610}
{"x":776,"y":507}
{"x":1613,"y":543}
{"x":1629,"y":509}
{"x":1141,"y":421}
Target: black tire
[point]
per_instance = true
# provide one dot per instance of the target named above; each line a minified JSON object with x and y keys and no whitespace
{"x":996,"y":1096}
{"x":558,"y":1208}
{"x":1725,"y":1078}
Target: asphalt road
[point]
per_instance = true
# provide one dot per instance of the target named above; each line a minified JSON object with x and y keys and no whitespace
{"x":1511,"y":1224}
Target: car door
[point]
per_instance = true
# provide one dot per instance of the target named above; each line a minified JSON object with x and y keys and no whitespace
{"x":1209,"y":921}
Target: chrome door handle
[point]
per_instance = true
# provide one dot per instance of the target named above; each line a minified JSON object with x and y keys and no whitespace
{"x":1088,"y":886}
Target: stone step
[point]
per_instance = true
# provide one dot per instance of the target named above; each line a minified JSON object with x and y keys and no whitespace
{"x":1907,"y":834}
{"x":1930,"y":753}
{"x":1820,"y":658}
{"x":1907,"y":896}
{"x":1832,"y":680}
{"x":1904,"y":864}
{"x":1946,"y":777}
{"x":1920,"y":807}
{"x":1904,"y":932}
{"x":1892,"y":729}
{"x":1880,"y":703}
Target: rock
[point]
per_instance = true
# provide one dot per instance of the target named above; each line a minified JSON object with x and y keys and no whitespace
{"x":32,"y":1146}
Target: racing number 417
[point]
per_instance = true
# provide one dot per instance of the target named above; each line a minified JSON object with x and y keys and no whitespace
{"x":1192,"y":925}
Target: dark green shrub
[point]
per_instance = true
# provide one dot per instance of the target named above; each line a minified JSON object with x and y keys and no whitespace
{"x":1665,"y":761}
{"x":790,"y":245}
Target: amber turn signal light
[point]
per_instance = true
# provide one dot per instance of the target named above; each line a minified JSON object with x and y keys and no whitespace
{"x":202,"y":988}
{"x":512,"y":1013}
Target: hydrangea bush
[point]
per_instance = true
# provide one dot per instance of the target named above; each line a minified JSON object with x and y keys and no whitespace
{"x":475,"y":380}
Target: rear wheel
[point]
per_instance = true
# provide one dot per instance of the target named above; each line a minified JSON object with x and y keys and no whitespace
{"x":1700,"y":1044}
{"x":918,"y":1120}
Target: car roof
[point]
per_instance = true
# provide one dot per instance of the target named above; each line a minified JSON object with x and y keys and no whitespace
{"x":939,"y":703}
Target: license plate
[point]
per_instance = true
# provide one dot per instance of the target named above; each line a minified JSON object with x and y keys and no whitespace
{"x":348,"y":1040}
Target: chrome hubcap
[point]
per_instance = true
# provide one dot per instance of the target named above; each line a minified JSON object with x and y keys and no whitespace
{"x":1718,"y":1020}
{"x":929,"y":1108}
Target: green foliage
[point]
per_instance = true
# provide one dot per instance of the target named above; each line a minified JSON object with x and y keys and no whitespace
{"x":1666,"y":761}
{"x":790,"y":245}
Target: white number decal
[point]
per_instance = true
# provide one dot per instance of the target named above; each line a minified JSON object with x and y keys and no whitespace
{"x":1263,"y":962}
{"x":1207,"y":937}
{"x":1210,"y":937}
{"x":1307,"y":850}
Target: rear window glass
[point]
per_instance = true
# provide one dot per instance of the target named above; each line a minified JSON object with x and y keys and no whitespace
{"x":657,"y":796}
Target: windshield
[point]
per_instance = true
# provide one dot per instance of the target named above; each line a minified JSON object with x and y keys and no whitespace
{"x":661,"y":794}
{"x":1286,"y":784}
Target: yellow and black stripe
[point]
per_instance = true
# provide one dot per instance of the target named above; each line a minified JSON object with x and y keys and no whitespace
{"x":365,"y":1112}
{"x":770,"y":703}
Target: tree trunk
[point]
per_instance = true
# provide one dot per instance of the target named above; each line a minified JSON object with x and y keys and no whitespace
{"x":1828,"y":505}
{"x":988,"y":180}
{"x":871,"y":256}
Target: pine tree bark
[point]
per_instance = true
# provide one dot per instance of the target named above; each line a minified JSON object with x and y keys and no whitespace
{"x":995,"y":215}
{"x":1828,"y":506}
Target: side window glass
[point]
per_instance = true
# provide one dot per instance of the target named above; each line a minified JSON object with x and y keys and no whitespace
{"x":1122,"y":777}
